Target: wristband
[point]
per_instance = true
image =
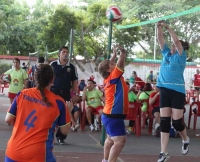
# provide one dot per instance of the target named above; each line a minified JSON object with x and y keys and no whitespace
{"x":76,"y":94}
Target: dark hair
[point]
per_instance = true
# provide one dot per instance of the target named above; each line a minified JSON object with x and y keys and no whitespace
{"x":103,"y":67}
{"x":43,"y":75}
{"x":41,"y":59}
{"x":90,"y":80}
{"x":62,"y":48}
{"x":23,"y":63}
{"x":16,"y":59}
{"x":147,"y":87}
{"x":185,"y":45}
{"x":134,"y":72}
{"x":127,"y":83}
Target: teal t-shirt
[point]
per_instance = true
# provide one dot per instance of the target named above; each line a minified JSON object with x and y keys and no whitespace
{"x":171,"y":70}
{"x":132,"y":80}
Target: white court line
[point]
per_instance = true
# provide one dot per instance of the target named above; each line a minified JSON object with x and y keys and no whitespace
{"x":7,"y":105}
{"x":94,"y":138}
{"x":119,"y":159}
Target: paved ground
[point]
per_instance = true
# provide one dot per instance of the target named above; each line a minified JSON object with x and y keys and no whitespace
{"x":83,"y":146}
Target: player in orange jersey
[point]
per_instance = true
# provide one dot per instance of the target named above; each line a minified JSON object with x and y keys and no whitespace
{"x":116,"y":105}
{"x":35,"y":113}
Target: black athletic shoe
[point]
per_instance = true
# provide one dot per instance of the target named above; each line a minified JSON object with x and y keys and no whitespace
{"x":163,"y":157}
{"x":61,"y":141}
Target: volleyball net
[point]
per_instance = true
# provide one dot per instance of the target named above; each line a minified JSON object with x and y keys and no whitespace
{"x":186,"y":25}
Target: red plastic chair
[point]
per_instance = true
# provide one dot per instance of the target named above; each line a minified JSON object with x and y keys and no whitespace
{"x":195,"y":115}
{"x":135,"y":114}
{"x":192,"y":94}
{"x":83,"y":116}
{"x":4,"y":85}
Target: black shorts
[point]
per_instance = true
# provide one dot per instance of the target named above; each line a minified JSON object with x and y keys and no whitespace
{"x":156,"y":109}
{"x":75,"y":109}
{"x":171,"y":98}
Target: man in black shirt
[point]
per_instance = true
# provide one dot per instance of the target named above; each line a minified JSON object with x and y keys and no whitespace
{"x":65,"y":82}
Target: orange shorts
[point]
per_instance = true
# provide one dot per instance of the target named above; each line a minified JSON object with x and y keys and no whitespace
{"x":96,"y":109}
{"x":11,"y":95}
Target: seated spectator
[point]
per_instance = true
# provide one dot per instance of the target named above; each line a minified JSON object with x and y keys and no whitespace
{"x":132,"y":78}
{"x":132,"y":97}
{"x":74,"y":114}
{"x":81,"y":85}
{"x":144,"y":95}
{"x":154,"y":101}
{"x":92,"y":77}
{"x":139,"y":82}
{"x":93,"y":97}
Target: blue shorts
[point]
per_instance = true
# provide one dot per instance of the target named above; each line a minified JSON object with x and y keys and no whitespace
{"x":7,"y":159}
{"x":114,"y":126}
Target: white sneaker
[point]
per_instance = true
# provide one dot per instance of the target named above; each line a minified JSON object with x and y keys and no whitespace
{"x":163,"y":157}
{"x":73,"y":128}
{"x":92,"y":128}
{"x":153,"y":132}
{"x":185,"y":146}
{"x":77,"y":126}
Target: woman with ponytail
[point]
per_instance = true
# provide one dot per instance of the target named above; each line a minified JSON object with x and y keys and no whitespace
{"x":34,"y":114}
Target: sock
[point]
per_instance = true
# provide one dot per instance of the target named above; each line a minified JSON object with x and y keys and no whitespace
{"x":105,"y":160}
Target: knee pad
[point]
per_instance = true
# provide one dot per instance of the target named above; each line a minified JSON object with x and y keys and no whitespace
{"x":178,"y":125}
{"x":165,"y":124}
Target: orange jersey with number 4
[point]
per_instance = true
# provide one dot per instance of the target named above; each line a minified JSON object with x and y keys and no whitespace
{"x":33,"y":131}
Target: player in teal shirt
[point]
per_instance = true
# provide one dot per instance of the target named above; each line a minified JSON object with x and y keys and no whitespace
{"x":172,"y":89}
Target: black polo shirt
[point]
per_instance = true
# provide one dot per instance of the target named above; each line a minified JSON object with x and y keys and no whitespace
{"x":64,"y":75}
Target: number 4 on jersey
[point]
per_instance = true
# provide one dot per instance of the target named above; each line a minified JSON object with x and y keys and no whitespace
{"x":28,"y":122}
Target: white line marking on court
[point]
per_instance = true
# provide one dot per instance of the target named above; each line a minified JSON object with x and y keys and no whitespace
{"x":7,"y":105}
{"x":93,"y":138}
{"x":119,"y":159}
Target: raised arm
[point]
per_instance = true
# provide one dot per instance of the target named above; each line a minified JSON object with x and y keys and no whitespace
{"x":121,"y":59}
{"x":160,"y":35}
{"x":175,"y":39}
{"x":112,"y":59}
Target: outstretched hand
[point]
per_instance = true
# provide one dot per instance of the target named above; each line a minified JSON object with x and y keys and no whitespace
{"x":121,"y":49}
{"x":162,"y":24}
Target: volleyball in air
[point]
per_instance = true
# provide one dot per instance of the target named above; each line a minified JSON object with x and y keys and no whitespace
{"x":113,"y":13}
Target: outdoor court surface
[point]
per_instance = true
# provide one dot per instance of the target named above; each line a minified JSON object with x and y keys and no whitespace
{"x":83,"y":146}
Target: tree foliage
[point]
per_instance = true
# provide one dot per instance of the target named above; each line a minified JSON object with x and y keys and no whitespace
{"x":27,"y":28}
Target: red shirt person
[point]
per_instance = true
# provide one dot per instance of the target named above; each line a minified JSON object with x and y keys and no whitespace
{"x":196,"y":80}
